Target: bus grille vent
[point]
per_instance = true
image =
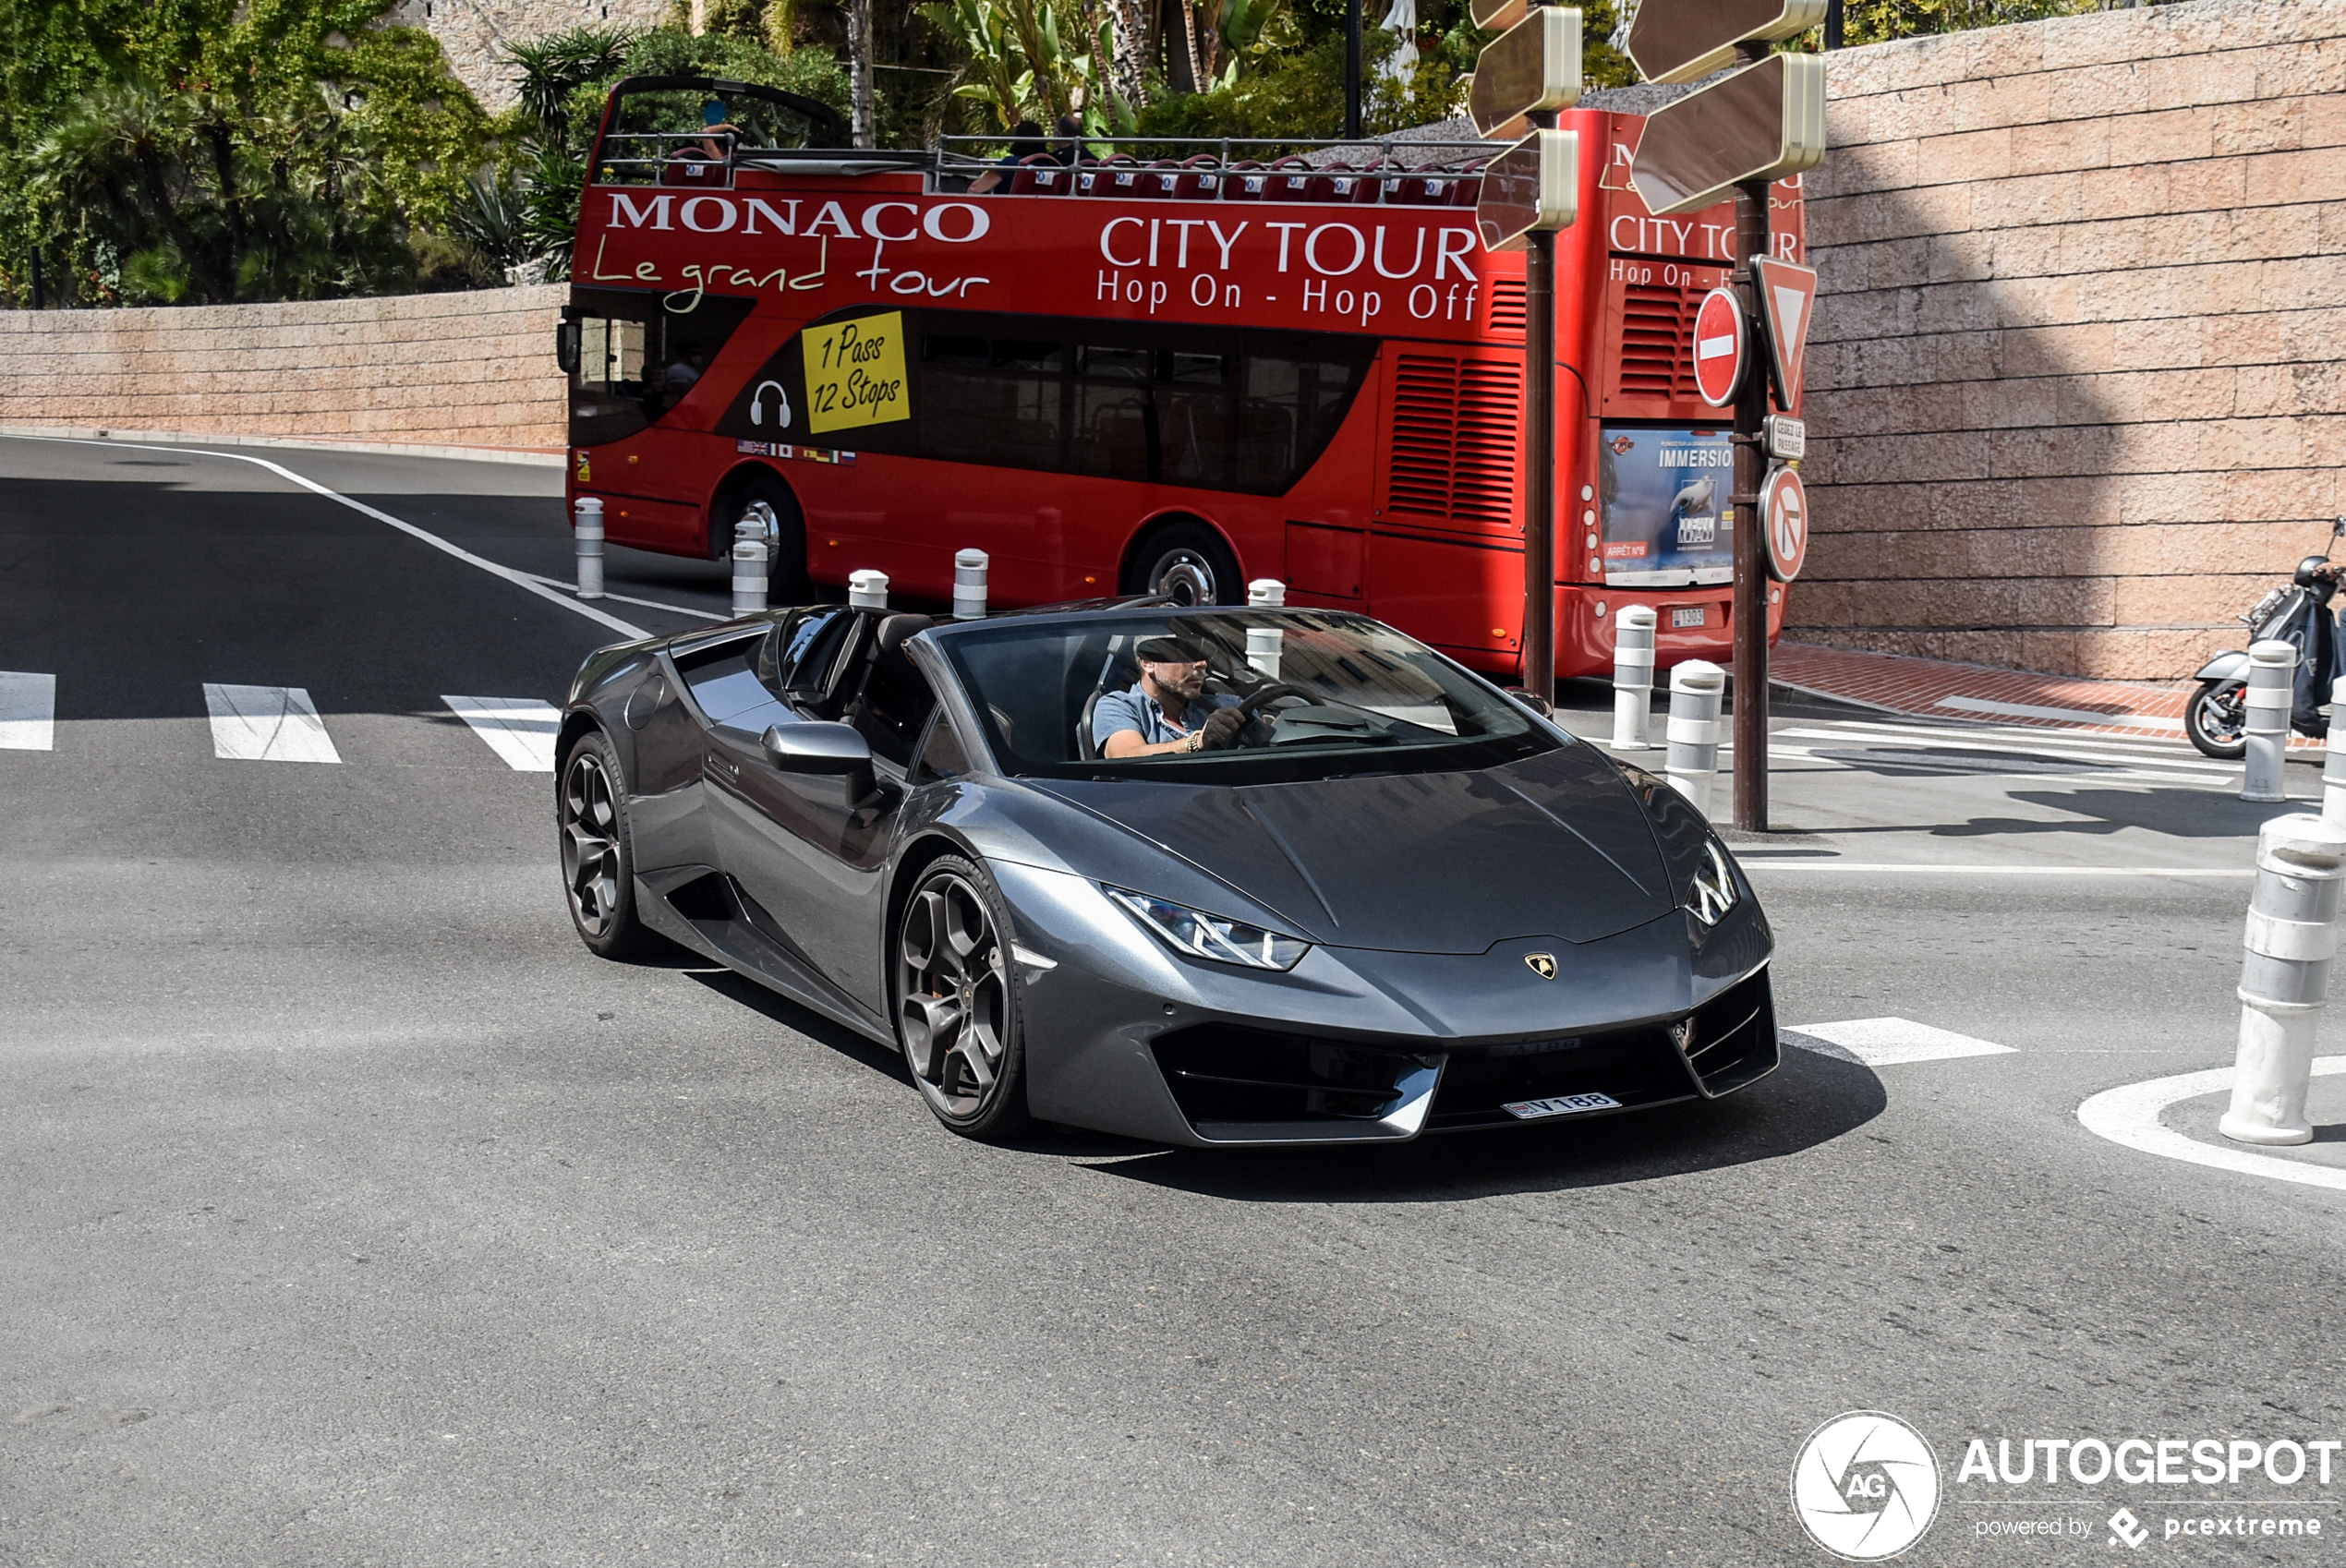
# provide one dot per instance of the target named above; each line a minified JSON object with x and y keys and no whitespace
{"x":1657,"y":329}
{"x":1506,"y":306}
{"x":1453,"y":439}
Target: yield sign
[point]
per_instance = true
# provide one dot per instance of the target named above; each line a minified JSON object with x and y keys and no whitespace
{"x":1784,"y":524}
{"x":1787,"y":298}
{"x":1718,"y":347}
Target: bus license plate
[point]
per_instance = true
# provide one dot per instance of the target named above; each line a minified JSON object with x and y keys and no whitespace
{"x":1691,"y":616}
{"x":1562,"y":1106}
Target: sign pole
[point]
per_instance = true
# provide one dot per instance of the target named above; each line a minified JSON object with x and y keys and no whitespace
{"x":1540,"y":451}
{"x":1751,"y":585}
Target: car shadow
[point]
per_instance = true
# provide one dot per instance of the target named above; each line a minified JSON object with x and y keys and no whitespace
{"x":789,"y":1014}
{"x":1811,"y":1100}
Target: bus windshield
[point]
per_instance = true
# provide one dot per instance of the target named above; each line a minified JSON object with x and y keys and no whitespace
{"x":1326,"y":693}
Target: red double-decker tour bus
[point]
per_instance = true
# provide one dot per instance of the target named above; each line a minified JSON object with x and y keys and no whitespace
{"x":1121,"y":376}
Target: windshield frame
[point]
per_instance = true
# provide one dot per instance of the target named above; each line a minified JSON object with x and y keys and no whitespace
{"x":1261,"y":765}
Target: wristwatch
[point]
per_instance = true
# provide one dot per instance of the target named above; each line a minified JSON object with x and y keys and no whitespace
{"x":1197,"y":739}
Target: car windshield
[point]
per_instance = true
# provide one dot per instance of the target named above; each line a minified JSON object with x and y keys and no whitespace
{"x":1325,"y":694}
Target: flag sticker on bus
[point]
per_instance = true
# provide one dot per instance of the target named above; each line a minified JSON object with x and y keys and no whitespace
{"x":855,"y":373}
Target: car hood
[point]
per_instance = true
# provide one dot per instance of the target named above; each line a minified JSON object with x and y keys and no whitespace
{"x":1435,"y":863}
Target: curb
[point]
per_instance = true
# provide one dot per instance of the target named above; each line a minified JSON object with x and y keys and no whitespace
{"x":528,"y":457}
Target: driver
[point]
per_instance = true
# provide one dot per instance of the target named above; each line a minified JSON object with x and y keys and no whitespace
{"x":1167,"y":710}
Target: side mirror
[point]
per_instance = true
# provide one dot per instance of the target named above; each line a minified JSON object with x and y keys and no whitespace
{"x":835,"y":748}
{"x":566,"y":344}
{"x":1531,"y":700}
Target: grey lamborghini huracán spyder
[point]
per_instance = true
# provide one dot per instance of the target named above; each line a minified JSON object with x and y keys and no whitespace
{"x":1402,"y":903}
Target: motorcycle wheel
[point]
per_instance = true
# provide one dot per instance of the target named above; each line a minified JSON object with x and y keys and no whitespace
{"x":2217,"y":720}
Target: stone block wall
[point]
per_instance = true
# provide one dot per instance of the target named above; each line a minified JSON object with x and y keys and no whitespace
{"x":475,"y":34}
{"x":2076,"y":396}
{"x":470,"y":369}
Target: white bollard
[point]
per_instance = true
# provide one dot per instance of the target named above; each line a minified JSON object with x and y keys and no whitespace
{"x":2284,"y":976}
{"x":867,"y":589}
{"x":1698,"y":689}
{"x":969,"y":584}
{"x":587,"y":526}
{"x":1632,"y":677}
{"x":749,"y":566}
{"x":1266,"y":593}
{"x":2271,"y":666}
{"x":2334,"y":757}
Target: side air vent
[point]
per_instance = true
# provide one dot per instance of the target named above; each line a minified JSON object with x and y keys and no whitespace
{"x":1506,"y":308}
{"x":1657,"y":326}
{"x":1453,"y":439}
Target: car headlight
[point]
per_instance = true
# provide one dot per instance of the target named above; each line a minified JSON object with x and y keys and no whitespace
{"x":1194,"y":934}
{"x":1713,"y":892}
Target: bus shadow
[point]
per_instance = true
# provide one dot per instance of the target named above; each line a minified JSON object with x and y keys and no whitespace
{"x":1811,"y":1100}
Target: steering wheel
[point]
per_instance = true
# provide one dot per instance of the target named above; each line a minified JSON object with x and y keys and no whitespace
{"x":1264,"y":693}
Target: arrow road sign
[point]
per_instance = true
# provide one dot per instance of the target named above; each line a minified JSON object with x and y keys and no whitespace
{"x":1718,"y":347}
{"x":1787,"y":298}
{"x":1534,"y":66}
{"x":1784,"y":524}
{"x":1759,"y":124}
{"x":1686,"y":39}
{"x":1533,"y":185}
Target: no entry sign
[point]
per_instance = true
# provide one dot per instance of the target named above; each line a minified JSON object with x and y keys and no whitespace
{"x":1719,"y":347}
{"x":1784,"y":524}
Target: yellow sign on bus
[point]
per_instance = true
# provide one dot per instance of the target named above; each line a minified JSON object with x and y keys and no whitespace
{"x":855,"y":373}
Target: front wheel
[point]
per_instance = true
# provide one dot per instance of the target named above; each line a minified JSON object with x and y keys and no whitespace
{"x":1186,"y":563}
{"x":957,"y":1001}
{"x":598,"y":860}
{"x":2217,"y":720}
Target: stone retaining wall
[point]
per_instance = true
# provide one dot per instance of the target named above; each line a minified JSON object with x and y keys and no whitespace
{"x":2076,"y":390}
{"x":470,"y":370}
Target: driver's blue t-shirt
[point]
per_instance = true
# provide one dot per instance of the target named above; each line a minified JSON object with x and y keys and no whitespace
{"x":1135,"y":709}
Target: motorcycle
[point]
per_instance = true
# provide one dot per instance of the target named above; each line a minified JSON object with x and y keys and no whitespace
{"x":2217,"y":717}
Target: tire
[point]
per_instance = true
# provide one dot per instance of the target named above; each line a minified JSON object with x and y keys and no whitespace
{"x":1188,"y":562}
{"x":2217,"y":720}
{"x":957,"y":1015}
{"x":598,"y":856}
{"x":786,"y":581}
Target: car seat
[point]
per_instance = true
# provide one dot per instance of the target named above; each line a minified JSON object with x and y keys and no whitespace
{"x":1118,"y":672}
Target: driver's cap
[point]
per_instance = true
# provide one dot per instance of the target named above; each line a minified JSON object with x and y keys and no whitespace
{"x":1171,"y":650}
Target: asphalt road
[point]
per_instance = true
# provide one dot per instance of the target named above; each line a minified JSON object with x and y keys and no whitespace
{"x":357,"y":1214}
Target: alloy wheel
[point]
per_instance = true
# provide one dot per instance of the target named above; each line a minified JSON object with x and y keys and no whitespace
{"x":955,"y":1008}
{"x":1185,"y":577}
{"x":590,"y":843}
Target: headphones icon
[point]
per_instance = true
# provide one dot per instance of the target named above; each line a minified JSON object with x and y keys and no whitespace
{"x":781,"y":405}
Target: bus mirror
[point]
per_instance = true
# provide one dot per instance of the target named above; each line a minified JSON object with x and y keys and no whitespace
{"x":566,"y":348}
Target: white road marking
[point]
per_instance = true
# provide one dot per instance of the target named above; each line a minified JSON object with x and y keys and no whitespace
{"x":267,"y":724}
{"x":623,"y":598}
{"x":1880,"y":1042}
{"x":2066,"y":752}
{"x":2128,"y":1115}
{"x":1823,"y":863}
{"x":2115,"y":745}
{"x":28,"y":712}
{"x":2067,"y":715}
{"x":524,"y":580}
{"x":520,"y":729}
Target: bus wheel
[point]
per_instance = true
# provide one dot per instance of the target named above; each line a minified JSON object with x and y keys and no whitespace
{"x":1187,"y":564}
{"x":769,"y":501}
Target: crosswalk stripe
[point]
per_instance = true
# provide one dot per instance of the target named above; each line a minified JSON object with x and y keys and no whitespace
{"x":28,"y":711}
{"x":267,"y":724}
{"x":1879,"y":1042}
{"x":520,"y":729}
{"x":2174,"y":765}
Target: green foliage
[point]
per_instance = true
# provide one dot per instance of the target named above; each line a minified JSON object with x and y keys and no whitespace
{"x":1876,"y":21}
{"x":1299,"y":93}
{"x":198,"y":151}
{"x":1036,"y":59}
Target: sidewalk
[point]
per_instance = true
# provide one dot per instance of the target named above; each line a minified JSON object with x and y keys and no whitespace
{"x":1938,"y":689}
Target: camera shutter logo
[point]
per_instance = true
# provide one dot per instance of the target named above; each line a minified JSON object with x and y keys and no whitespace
{"x":1864,"y":1485}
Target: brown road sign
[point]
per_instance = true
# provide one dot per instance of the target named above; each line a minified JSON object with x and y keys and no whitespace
{"x":1533,"y":185}
{"x":1535,"y":65}
{"x":1686,"y":39}
{"x":1759,"y":124}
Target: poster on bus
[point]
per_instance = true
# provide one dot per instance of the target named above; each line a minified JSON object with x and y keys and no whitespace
{"x":1665,"y":513}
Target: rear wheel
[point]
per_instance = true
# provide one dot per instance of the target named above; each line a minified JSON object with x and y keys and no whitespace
{"x":1187,"y":562}
{"x":957,"y":1001}
{"x":599,"y":861}
{"x":2217,"y":720}
{"x":763,"y":498}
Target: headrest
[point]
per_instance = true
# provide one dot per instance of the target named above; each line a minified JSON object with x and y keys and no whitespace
{"x":897,"y":629}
